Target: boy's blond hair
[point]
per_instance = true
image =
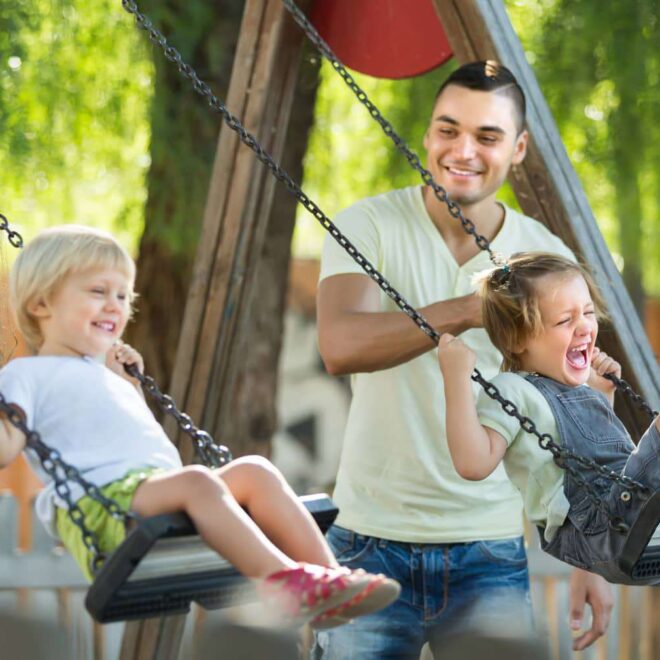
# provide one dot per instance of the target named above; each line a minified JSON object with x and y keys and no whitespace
{"x":510,"y":296}
{"x":49,"y":259}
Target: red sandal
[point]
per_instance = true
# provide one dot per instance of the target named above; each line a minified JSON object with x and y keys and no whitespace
{"x":378,"y":594}
{"x":304,"y":593}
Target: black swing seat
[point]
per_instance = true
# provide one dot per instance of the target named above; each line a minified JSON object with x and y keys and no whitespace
{"x":639,"y":559}
{"x":163,"y":565}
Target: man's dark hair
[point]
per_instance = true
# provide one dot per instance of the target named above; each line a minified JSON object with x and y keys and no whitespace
{"x":489,"y":76}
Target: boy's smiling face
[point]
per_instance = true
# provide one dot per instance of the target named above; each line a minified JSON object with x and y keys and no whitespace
{"x":86,"y":314}
{"x":563,"y":348}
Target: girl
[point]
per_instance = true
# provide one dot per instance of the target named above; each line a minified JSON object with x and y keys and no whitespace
{"x":540,"y":311}
{"x":71,"y":291}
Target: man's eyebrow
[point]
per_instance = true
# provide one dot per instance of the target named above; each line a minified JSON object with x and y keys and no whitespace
{"x":482,"y":129}
{"x":447,"y":119}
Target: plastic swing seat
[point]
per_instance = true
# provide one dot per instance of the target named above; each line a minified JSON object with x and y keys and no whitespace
{"x":163,"y":566}
{"x":640,"y":555}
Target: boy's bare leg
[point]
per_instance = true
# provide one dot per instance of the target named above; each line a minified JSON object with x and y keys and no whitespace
{"x":219,"y":519}
{"x":262,"y":490}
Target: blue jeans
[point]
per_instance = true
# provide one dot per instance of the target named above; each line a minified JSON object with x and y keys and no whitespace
{"x":444,"y":587}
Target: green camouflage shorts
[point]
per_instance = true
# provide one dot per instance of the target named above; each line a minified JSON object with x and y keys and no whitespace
{"x":109,"y":531}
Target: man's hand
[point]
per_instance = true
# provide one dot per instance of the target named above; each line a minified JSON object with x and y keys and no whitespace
{"x":588,"y":588}
{"x":460,"y":314}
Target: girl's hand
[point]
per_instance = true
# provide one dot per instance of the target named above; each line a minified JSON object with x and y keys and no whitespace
{"x":601,"y":364}
{"x":121,"y":354}
{"x":455,"y":357}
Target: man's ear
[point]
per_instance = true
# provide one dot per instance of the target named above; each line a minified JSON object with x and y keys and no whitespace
{"x":520,"y":148}
{"x":39,"y":308}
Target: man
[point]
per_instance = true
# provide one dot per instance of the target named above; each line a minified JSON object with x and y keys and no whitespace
{"x":403,"y":509}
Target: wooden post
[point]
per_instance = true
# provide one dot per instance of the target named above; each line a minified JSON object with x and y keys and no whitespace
{"x":260,"y":93}
{"x":548,"y":189}
{"x":237,"y":210}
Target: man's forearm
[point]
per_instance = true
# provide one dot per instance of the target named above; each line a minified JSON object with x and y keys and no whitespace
{"x":358,"y":342}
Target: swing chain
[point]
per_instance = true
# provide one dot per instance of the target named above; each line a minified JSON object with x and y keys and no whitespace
{"x":562,"y":456}
{"x":412,"y":158}
{"x":207,"y":451}
{"x":625,"y":388}
{"x":13,"y":236}
{"x":61,"y":473}
{"x":281,"y":175}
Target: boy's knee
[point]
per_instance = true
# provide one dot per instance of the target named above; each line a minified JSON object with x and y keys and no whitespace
{"x":201,"y":480}
{"x":258,"y":467}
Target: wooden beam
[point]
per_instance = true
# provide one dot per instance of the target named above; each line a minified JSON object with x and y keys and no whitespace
{"x":235,"y":220}
{"x":549,"y":190}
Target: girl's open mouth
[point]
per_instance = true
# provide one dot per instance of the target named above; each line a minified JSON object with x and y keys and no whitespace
{"x":578,"y":357}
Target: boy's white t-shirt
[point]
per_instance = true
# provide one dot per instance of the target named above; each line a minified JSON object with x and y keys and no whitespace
{"x":95,"y":419}
{"x":396,"y":479}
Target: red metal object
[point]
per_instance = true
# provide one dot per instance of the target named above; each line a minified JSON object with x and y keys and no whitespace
{"x":383,"y":38}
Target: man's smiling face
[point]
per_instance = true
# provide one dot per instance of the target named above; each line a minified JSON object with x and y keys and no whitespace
{"x":471,"y":143}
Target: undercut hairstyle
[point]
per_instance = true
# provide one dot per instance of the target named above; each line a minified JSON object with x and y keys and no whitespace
{"x":490,"y":76}
{"x":510,"y":294}
{"x":51,"y":257}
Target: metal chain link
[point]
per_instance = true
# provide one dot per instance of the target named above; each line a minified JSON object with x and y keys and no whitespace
{"x":624,"y":387}
{"x":14,"y":237}
{"x":206,"y":449}
{"x":412,"y":158}
{"x":61,"y":472}
{"x":281,"y":175}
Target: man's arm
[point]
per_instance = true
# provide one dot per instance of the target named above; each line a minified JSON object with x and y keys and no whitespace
{"x":588,"y":588}
{"x":355,"y":336}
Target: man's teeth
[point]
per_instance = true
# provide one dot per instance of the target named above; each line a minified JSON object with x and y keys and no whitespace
{"x":454,"y":170}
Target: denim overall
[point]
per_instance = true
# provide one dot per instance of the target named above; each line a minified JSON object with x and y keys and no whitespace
{"x":588,"y":426}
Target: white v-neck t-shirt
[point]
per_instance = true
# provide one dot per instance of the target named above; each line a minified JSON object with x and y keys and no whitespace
{"x":396,"y":479}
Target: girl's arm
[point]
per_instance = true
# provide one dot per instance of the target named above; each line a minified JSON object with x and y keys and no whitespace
{"x":12,"y":441}
{"x":601,"y":364}
{"x":122,"y":354}
{"x":475,"y":450}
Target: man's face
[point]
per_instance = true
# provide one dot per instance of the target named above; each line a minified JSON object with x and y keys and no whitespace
{"x":471,"y":143}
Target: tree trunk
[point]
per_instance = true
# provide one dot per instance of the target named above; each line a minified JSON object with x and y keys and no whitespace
{"x":184,"y":133}
{"x":253,"y":422}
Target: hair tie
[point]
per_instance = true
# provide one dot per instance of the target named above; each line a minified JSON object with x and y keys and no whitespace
{"x":501,"y":274}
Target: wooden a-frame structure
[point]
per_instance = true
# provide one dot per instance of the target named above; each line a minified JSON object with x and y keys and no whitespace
{"x":237,"y":212}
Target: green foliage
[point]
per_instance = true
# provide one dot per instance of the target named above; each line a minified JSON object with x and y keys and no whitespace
{"x":598,"y":65}
{"x":75,"y":85}
{"x":184,"y":129}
